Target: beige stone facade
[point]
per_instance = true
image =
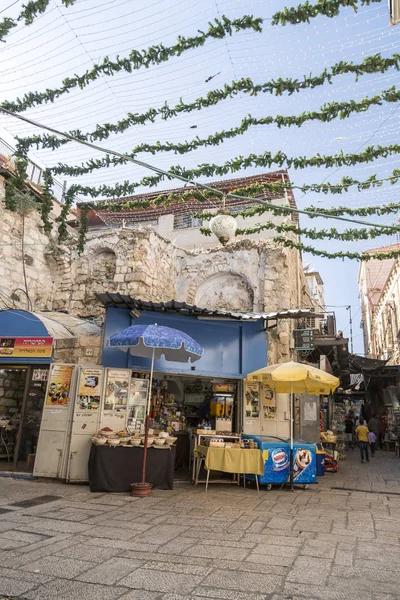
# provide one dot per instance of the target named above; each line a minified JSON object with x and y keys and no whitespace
{"x":247,"y":275}
{"x":379,"y":285}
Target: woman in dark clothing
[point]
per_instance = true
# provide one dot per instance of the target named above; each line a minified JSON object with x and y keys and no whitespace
{"x":348,"y":433}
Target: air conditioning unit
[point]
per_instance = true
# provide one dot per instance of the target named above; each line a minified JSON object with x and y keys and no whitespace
{"x":394,"y":11}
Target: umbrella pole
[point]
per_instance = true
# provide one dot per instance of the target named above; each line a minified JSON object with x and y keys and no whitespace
{"x":146,"y":423}
{"x":291,"y":437}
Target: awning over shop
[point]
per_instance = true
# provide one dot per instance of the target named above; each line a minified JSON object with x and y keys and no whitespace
{"x":172,"y":306}
{"x":23,"y":332}
{"x":23,"y":338}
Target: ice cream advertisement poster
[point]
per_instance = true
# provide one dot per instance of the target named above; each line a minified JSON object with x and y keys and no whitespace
{"x":60,"y":385}
{"x":301,"y":464}
{"x":89,"y":391}
{"x":117,"y":386}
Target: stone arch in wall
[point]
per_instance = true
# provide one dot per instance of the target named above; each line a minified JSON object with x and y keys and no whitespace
{"x":225,"y":290}
{"x":104,"y":263}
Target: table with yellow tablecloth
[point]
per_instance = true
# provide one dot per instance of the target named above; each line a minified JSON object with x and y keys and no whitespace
{"x":238,"y":461}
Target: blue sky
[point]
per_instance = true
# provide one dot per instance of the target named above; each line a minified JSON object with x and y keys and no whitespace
{"x":66,"y":41}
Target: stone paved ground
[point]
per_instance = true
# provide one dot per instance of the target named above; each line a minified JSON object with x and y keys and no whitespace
{"x":228,"y":544}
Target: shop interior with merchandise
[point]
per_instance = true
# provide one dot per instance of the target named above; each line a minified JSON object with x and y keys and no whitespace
{"x":182,"y":404}
{"x":22,"y":394}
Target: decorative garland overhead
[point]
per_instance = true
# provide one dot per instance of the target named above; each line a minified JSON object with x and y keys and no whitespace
{"x":348,"y":235}
{"x":28,"y":14}
{"x":365,"y":211}
{"x":16,"y":185}
{"x":352,"y":255}
{"x":371,"y":64}
{"x":267,"y":159}
{"x":327,"y":112}
{"x":136,"y":60}
{"x":83,"y":229}
{"x":302,"y":13}
{"x":340,"y":211}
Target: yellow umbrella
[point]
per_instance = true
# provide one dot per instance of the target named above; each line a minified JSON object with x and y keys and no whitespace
{"x":293,"y":377}
{"x":299,"y":378}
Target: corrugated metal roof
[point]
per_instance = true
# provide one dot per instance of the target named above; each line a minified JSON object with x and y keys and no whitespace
{"x":127,"y":302}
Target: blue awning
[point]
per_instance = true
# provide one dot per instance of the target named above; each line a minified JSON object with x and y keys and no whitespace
{"x":23,"y":325}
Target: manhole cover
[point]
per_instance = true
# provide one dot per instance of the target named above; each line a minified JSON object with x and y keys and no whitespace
{"x":35,"y":501}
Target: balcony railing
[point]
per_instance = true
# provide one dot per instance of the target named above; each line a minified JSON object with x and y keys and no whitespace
{"x":35,"y":172}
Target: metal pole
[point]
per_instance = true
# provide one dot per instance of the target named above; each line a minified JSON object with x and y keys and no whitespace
{"x":351,"y":330}
{"x":146,"y":423}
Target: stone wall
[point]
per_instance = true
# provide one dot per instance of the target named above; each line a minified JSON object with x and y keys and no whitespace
{"x":12,"y":265}
{"x":248,"y":275}
{"x":135,"y":262}
{"x":82,"y":351}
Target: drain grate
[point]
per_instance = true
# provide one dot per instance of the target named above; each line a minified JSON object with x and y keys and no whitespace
{"x":35,"y":501}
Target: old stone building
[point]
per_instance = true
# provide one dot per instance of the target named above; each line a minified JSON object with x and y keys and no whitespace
{"x":379,"y":285}
{"x":248,"y":275}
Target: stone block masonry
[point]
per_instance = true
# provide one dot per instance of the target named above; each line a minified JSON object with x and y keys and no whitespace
{"x":247,"y":275}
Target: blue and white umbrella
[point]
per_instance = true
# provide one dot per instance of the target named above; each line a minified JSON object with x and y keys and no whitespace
{"x":154,"y":341}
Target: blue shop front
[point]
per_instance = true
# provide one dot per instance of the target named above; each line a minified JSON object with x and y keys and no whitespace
{"x":25,"y":358}
{"x":185,"y":395}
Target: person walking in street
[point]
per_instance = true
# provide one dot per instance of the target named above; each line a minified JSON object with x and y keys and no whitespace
{"x":348,"y":433}
{"x":374,"y":425}
{"x":363,"y":441}
{"x":372,"y":442}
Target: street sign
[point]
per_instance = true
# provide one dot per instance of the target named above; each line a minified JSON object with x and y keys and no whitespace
{"x":304,"y":339}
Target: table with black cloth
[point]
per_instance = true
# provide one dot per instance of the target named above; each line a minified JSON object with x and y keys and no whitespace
{"x":182,"y":457}
{"x":113,"y":469}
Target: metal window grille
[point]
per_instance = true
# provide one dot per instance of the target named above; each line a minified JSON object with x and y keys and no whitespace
{"x":186,"y":222}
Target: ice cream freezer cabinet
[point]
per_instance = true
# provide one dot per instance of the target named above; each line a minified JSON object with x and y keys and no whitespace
{"x":276,"y":454}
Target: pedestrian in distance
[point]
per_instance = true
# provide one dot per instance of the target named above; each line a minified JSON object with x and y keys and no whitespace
{"x":363,"y":440}
{"x":348,"y":432}
{"x":372,"y":442}
{"x":374,"y":425}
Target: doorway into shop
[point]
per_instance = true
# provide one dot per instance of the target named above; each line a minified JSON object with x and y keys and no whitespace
{"x":181,"y":404}
{"x":22,"y":394}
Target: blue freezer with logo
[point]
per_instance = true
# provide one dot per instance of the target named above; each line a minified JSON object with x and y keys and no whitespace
{"x":276,"y":453}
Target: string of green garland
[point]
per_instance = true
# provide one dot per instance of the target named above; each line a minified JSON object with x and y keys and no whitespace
{"x":16,"y":185}
{"x":28,"y":14}
{"x":339,"y":211}
{"x":327,"y":112}
{"x":371,"y":64}
{"x":46,"y":201}
{"x":348,"y":235}
{"x":352,"y":255}
{"x":267,"y":159}
{"x":136,"y":60}
{"x":302,"y":13}
{"x":188,"y":146}
{"x":68,"y":201}
{"x":83,"y":229}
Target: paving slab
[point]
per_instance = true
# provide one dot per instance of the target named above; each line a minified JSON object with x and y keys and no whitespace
{"x":253,"y":582}
{"x":229,"y":544}
{"x":161,"y":581}
{"x":57,"y":566}
{"x":110,"y":571}
{"x":62,"y":589}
